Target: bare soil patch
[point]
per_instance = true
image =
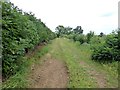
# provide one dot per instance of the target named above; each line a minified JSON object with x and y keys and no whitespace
{"x":51,"y":74}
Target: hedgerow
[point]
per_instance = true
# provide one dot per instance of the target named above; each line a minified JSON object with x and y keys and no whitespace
{"x":107,"y":49}
{"x":21,"y":32}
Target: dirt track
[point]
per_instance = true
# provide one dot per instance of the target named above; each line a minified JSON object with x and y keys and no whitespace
{"x":51,"y":74}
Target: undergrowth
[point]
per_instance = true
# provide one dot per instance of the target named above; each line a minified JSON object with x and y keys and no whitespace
{"x":19,"y":80}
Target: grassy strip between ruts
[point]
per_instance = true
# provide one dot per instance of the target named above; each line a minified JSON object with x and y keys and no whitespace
{"x":19,"y":80}
{"x":78,"y":78}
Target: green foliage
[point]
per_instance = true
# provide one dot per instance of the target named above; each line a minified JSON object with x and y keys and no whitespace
{"x":61,"y":30}
{"x":89,"y":36}
{"x":80,"y":38}
{"x":104,"y":47}
{"x":78,"y":30}
{"x":19,"y":80}
{"x":75,"y":34}
{"x":107,"y":49}
{"x":21,"y":32}
{"x":101,"y":34}
{"x":77,"y":37}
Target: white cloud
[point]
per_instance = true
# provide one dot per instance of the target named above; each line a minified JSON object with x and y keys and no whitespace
{"x":87,"y":13}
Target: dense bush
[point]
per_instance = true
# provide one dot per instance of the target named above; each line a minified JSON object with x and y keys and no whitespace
{"x":89,"y":36}
{"x":80,"y":38}
{"x":77,"y":37}
{"x":106,"y":49}
{"x":21,"y":32}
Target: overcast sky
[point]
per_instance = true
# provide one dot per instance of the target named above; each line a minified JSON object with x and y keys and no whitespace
{"x":95,"y":15}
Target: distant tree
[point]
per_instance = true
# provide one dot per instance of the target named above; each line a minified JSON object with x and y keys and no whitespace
{"x":59,"y":30}
{"x":89,"y":36}
{"x":101,"y":34}
{"x":68,"y":30}
{"x":78,"y":30}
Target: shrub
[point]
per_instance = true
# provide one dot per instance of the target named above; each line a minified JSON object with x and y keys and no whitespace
{"x":80,"y":38}
{"x":106,"y":49}
{"x":21,"y":31}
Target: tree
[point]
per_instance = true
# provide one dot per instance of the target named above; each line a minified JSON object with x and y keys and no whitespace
{"x":78,"y":30}
{"x":89,"y":36}
{"x":68,"y":30}
{"x":59,"y":30}
{"x":101,"y":34}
